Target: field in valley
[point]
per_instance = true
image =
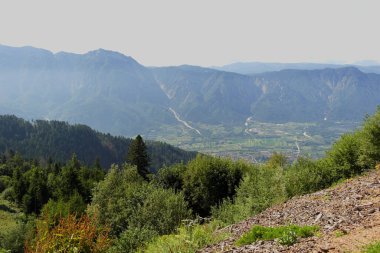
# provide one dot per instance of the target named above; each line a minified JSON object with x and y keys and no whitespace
{"x":255,"y":141}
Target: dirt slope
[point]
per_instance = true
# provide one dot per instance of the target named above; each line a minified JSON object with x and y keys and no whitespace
{"x":348,"y":216}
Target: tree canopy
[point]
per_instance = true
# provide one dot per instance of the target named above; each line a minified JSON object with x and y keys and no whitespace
{"x":138,"y":155}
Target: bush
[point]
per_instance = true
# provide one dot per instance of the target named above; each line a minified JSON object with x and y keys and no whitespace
{"x":53,"y":211}
{"x":189,"y":239}
{"x":133,"y":238}
{"x":171,"y":177}
{"x":208,"y":181}
{"x":345,"y":154}
{"x":162,"y":211}
{"x":286,"y":235}
{"x":13,"y":238}
{"x":70,"y":235}
{"x":306,"y":176}
{"x":5,"y":182}
{"x":370,"y":141}
{"x":261,"y":187}
{"x":128,"y":204}
{"x":8,"y":194}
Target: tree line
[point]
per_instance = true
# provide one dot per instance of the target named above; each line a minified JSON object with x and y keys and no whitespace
{"x":129,"y":209}
{"x":57,"y":140}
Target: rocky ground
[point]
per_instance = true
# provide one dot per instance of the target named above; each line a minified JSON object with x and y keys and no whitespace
{"x":348,"y":216}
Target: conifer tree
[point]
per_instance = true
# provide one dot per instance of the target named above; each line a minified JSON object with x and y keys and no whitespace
{"x":137,"y":155}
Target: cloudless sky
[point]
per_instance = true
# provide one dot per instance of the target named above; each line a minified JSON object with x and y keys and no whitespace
{"x":199,"y":32}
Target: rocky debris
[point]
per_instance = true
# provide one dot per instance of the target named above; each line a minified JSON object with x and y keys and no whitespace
{"x":348,"y":208}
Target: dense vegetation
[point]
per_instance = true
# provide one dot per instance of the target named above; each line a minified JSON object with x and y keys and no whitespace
{"x":128,"y":211}
{"x":286,"y":235}
{"x":58,"y":140}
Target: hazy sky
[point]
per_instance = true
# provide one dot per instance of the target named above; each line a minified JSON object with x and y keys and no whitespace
{"x":201,"y":32}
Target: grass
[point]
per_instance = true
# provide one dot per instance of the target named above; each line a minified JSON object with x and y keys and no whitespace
{"x":339,"y":233}
{"x":189,"y":239}
{"x":373,"y":248}
{"x":8,"y":216}
{"x":9,"y":226}
{"x":286,"y":235}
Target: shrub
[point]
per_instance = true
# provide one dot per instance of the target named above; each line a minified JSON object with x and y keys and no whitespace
{"x":5,"y":182}
{"x":208,"y":181}
{"x":370,"y":141}
{"x":12,"y":238}
{"x":171,"y":177}
{"x":306,"y":176}
{"x":70,"y":235}
{"x":261,"y":187}
{"x":189,"y":238}
{"x":286,"y":235}
{"x":53,"y":211}
{"x":128,"y":204}
{"x":373,"y":248}
{"x":133,"y":238}
{"x":345,"y":154}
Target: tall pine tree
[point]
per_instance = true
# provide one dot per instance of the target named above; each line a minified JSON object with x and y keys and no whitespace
{"x":137,"y":155}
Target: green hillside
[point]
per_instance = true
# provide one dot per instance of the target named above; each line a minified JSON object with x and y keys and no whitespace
{"x":58,"y":140}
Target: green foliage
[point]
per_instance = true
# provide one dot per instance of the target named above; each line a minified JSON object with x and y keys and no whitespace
{"x":53,"y":211}
{"x":138,"y":156}
{"x":373,"y":248}
{"x":261,"y":187}
{"x":5,"y":182}
{"x":339,"y":233}
{"x":127,"y":203}
{"x":189,"y":239}
{"x":13,"y":239}
{"x":59,"y":140}
{"x":208,"y":181}
{"x":277,"y":160}
{"x":14,"y":227}
{"x":370,"y":149}
{"x":307,"y":175}
{"x":286,"y":235}
{"x":163,"y":211}
{"x":32,"y":185}
{"x":345,"y":154}
{"x":37,"y":193}
{"x":171,"y":177}
{"x":133,"y":238}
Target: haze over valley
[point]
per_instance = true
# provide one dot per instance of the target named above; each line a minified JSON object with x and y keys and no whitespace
{"x":195,"y":108}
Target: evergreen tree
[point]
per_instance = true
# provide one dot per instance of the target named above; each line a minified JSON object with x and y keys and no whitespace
{"x":137,"y":155}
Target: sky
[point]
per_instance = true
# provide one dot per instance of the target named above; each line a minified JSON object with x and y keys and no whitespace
{"x":199,"y":32}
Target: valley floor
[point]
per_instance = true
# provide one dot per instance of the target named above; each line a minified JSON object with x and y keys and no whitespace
{"x":348,"y":215}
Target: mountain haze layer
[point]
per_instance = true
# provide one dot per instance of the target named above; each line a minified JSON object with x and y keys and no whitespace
{"x":252,"y":68}
{"x":113,"y":93}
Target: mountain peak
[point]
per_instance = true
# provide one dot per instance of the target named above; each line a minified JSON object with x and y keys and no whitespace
{"x":111,"y":55}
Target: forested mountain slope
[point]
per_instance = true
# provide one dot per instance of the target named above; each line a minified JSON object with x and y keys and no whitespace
{"x":59,"y":140}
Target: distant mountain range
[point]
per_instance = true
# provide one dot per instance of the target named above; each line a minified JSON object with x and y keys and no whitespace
{"x":113,"y":93}
{"x":252,"y":68}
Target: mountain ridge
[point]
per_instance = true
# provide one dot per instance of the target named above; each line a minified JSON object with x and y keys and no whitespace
{"x":114,"y":93}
